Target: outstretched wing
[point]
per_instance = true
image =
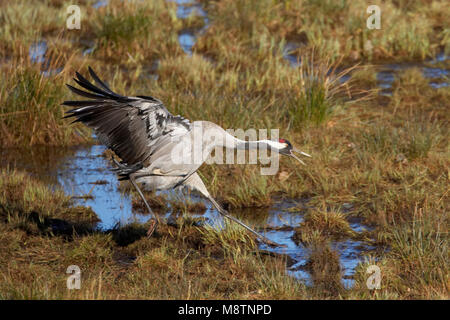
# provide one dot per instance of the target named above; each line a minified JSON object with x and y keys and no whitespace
{"x":130,"y":126}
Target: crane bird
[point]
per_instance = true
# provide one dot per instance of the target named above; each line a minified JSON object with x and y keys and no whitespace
{"x":143,"y":133}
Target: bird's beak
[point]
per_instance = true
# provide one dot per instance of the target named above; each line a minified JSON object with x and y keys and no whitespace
{"x":302,"y":153}
{"x":297,"y":158}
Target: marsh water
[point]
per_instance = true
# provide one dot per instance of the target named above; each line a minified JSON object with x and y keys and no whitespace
{"x":84,"y":173}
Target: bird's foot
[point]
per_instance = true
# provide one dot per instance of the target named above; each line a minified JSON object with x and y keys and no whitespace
{"x":124,"y":170}
{"x":271,"y":243}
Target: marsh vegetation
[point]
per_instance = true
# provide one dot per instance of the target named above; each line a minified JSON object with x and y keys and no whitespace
{"x":371,"y":106}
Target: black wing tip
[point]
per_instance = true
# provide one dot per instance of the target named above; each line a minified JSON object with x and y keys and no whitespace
{"x":72,"y":88}
{"x":101,"y":90}
{"x":98,"y":91}
{"x":92,"y":72}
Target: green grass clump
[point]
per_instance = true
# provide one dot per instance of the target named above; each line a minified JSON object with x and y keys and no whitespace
{"x":20,"y":193}
{"x":325,"y":268}
{"x":30,"y":203}
{"x":252,"y":192}
{"x":319,"y":94}
{"x":135,"y":33}
{"x":30,"y":109}
{"x":323,"y":224}
{"x":416,"y":265}
{"x":25,"y":23}
{"x":120,"y":29}
{"x":230,"y":236}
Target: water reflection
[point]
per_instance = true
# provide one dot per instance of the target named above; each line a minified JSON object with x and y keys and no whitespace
{"x":37,"y":52}
{"x":438,"y":76}
{"x":185,"y":9}
{"x":187,"y":41}
{"x":100,"y":4}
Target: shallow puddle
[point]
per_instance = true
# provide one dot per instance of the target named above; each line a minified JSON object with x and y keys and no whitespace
{"x":187,"y":41}
{"x":438,"y":76}
{"x":185,"y":9}
{"x":436,"y":70}
{"x":37,"y":52}
{"x":100,"y":4}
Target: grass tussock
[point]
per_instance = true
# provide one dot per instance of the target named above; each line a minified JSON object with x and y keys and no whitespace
{"x":323,"y":224}
{"x":325,"y":268}
{"x":417,"y":262}
{"x":136,"y":32}
{"x":30,"y":107}
{"x":30,"y":205}
{"x":232,"y":235}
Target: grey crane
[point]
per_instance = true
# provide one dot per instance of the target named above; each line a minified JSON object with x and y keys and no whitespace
{"x":145,"y":135}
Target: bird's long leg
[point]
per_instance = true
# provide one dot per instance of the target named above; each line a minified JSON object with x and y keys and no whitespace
{"x":125,"y":172}
{"x":224,"y":213}
{"x":154,"y":220}
{"x":196,"y":183}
